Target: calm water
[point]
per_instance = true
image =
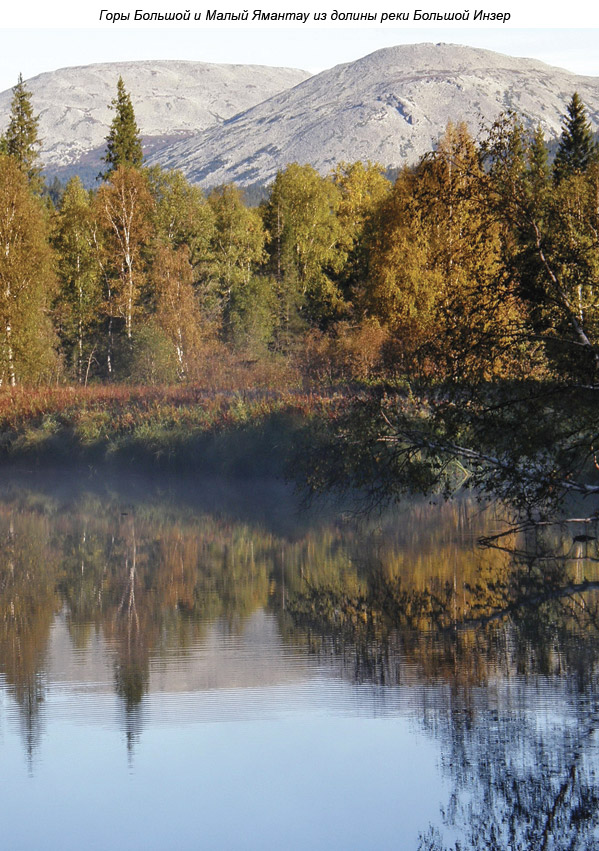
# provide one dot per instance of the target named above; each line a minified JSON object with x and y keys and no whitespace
{"x":190,"y":665}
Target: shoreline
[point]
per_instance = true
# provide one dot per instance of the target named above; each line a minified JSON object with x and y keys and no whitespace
{"x":242,"y":433}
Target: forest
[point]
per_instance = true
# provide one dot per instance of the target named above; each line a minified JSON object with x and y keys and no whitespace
{"x":460,"y":300}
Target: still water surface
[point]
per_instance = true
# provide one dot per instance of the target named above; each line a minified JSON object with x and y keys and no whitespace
{"x":190,"y":665}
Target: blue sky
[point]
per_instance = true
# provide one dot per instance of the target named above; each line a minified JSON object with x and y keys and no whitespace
{"x":32,"y":51}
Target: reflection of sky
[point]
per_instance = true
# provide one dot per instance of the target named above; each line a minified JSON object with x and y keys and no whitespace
{"x":33,"y":51}
{"x":308,"y":781}
{"x":250,"y":674}
{"x":244,"y":741}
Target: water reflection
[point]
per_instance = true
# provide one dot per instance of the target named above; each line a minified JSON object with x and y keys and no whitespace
{"x":153,"y":598}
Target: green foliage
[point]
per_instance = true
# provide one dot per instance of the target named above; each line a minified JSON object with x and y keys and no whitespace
{"x":236,"y":251}
{"x":251,"y":316}
{"x":364,"y":189}
{"x":123,"y":143}
{"x":27,"y":341}
{"x":495,"y":270}
{"x":305,"y":239}
{"x":476,"y":273}
{"x":550,"y":248}
{"x":54,"y":190}
{"x":577,"y":146}
{"x":21,"y":137}
{"x":183,"y":217}
{"x":78,"y":298}
{"x":154,"y":358}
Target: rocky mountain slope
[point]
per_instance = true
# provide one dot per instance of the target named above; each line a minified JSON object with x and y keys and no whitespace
{"x":170,"y":98}
{"x":241,"y":123}
{"x":389,"y":107}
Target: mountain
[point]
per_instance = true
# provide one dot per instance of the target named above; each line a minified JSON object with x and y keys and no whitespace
{"x":242,"y":123}
{"x":389,"y":107}
{"x":171,"y":99}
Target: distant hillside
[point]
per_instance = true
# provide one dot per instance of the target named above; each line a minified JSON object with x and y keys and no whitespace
{"x":389,"y":107}
{"x":221,"y":123}
{"x":171,"y":99}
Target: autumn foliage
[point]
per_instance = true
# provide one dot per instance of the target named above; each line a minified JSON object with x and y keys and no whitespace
{"x":478,"y":264}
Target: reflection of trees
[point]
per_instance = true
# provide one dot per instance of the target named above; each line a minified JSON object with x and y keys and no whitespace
{"x":452,"y":613}
{"x":527,"y":779}
{"x":517,"y":643}
{"x":406,"y":602}
{"x":522,"y":779}
{"x":28,"y":603}
{"x":130,"y":628}
{"x":155,"y":579}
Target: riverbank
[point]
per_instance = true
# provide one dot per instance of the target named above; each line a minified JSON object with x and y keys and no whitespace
{"x":233,"y":433}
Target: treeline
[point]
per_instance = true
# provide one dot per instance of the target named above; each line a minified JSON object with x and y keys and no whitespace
{"x":480,"y":262}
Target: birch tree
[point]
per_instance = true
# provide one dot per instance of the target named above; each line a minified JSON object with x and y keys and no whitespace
{"x":177,"y":310}
{"x":26,"y":280}
{"x":124,"y":209}
{"x":79,"y":294}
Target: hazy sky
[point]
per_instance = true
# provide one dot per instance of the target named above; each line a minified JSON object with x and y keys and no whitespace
{"x":33,"y":51}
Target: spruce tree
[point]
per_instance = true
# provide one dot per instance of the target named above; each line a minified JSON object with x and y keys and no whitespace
{"x":123,"y":143}
{"x":538,"y":157}
{"x":21,"y":138}
{"x":538,"y":172}
{"x":576,"y":147}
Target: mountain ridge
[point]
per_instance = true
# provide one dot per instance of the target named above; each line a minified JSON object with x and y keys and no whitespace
{"x":390,"y":107}
{"x":170,"y":98}
{"x":242,"y":123}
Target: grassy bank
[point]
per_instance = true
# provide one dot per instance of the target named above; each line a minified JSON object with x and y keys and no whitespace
{"x":230,"y":433}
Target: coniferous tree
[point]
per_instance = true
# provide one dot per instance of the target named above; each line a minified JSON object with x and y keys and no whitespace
{"x":123,"y":143}
{"x":551,"y":251}
{"x":576,"y":145}
{"x":539,"y":172}
{"x":21,"y":139}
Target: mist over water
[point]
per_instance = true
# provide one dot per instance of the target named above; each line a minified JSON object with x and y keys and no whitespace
{"x":195,"y":663}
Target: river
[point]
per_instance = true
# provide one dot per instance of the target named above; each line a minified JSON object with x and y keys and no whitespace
{"x":191,"y":663}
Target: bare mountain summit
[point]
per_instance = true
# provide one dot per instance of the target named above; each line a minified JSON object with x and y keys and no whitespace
{"x":389,"y":107}
{"x":170,"y":98}
{"x":242,"y":123}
